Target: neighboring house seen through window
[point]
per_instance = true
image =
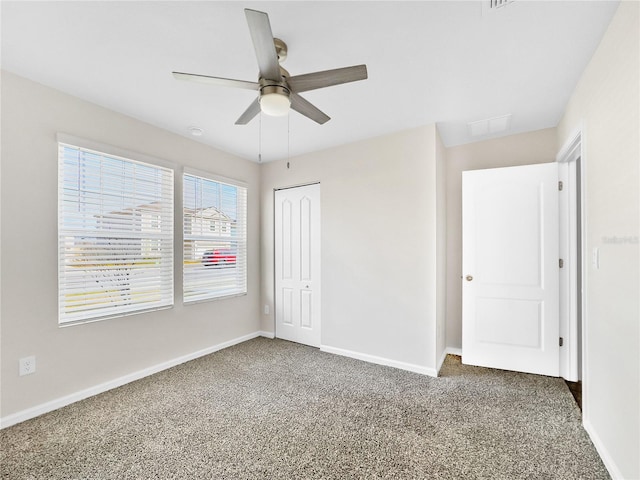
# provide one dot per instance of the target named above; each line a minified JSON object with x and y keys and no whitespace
{"x":215,"y":238}
{"x":115,"y":235}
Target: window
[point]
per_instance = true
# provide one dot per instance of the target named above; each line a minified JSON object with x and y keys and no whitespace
{"x":215,"y":238}
{"x":115,"y":235}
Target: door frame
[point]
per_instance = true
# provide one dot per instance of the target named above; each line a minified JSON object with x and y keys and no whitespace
{"x":572,"y":204}
{"x":275,"y":293}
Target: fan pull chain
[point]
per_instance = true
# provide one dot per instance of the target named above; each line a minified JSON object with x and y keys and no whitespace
{"x":288,"y":137}
{"x":260,"y":139}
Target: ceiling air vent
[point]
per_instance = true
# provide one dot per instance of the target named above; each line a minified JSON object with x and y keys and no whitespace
{"x":492,"y":6}
{"x":489,"y":126}
{"x":498,"y":3}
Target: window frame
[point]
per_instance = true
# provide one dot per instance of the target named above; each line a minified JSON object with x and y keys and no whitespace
{"x":242,"y":242}
{"x":168,"y":287}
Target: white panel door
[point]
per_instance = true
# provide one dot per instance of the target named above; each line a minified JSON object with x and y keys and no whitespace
{"x":510,"y":311}
{"x":297,"y":257}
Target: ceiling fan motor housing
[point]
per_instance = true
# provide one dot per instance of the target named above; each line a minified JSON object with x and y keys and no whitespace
{"x":274,"y":89}
{"x":272,"y":86}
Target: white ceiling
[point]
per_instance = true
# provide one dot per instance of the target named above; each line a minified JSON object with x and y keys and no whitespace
{"x":444,"y":62}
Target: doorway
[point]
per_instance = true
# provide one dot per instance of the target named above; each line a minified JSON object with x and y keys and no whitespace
{"x":571,"y":258}
{"x":297,"y":264}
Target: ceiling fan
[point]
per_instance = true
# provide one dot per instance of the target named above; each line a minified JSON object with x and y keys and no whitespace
{"x":278,"y":91}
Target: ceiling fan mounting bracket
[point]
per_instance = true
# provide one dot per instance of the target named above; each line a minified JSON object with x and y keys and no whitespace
{"x":281,"y":49}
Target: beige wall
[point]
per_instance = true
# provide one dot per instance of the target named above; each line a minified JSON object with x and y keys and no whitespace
{"x":521,"y":149}
{"x":378,"y":244}
{"x":75,"y":358}
{"x":606,"y":102}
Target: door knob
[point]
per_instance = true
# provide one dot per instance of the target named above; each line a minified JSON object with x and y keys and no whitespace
{"x":469,"y":278}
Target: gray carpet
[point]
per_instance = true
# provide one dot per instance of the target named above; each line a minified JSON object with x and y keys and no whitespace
{"x":270,"y":409}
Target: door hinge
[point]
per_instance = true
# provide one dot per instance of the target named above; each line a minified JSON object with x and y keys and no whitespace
{"x":561,"y":342}
{"x":560,"y":185}
{"x":561,"y":263}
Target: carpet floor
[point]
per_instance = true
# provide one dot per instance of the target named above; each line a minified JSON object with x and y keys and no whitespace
{"x":271,"y":409}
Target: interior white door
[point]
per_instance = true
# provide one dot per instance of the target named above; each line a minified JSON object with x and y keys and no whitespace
{"x":297,"y":268}
{"x":510,"y":311}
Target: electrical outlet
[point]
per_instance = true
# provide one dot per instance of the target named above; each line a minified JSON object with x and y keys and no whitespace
{"x":27,"y":365}
{"x":266,"y":309}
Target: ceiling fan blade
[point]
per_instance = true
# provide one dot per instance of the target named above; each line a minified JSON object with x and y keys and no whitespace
{"x":262,"y":37}
{"x":249,"y":113}
{"x":327,"y":78}
{"x":223,"y":82}
{"x":302,"y":106}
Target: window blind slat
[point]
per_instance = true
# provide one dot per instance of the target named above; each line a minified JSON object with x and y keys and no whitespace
{"x":115,"y":235}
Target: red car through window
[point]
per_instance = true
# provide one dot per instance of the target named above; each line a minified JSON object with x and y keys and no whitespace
{"x":219,"y":258}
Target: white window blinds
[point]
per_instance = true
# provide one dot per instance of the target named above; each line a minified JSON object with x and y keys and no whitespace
{"x":115,"y":235}
{"x":215,"y":238}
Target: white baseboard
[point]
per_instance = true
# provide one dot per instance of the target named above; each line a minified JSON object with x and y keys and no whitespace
{"x":380,"y":360}
{"x":52,"y":405}
{"x":266,"y":334}
{"x":614,"y":471}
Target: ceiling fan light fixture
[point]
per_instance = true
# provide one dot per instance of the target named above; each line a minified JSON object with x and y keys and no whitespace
{"x":274,"y":101}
